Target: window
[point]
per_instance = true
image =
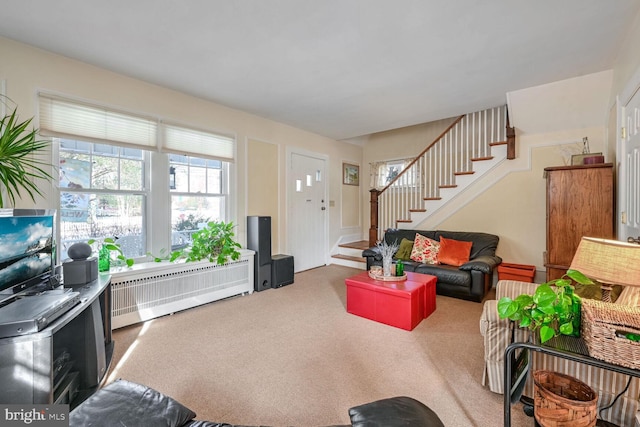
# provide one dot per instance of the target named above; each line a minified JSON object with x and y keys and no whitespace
{"x":198,"y":195}
{"x":383,"y":173}
{"x":107,"y":188}
{"x":102,"y":195}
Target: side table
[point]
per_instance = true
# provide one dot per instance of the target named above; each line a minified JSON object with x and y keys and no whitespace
{"x":570,"y":348}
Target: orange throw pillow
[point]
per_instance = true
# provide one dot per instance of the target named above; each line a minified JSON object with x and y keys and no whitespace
{"x":454,"y":252}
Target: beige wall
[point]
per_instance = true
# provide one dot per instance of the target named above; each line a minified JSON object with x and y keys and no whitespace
{"x":350,"y":205}
{"x":27,"y":70}
{"x":627,"y":63}
{"x":262,"y":185}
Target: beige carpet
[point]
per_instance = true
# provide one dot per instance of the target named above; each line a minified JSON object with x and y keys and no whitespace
{"x":294,"y":356}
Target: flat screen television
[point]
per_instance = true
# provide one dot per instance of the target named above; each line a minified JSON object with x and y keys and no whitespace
{"x":27,"y":251}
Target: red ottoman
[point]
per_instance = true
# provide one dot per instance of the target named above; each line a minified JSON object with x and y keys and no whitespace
{"x":402,"y":304}
{"x":430,"y":290}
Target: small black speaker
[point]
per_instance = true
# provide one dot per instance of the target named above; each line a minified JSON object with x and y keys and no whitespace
{"x":281,"y":270}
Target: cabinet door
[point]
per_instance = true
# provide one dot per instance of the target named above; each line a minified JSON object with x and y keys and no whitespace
{"x":579,"y":203}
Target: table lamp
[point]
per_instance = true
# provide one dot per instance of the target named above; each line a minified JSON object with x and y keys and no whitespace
{"x":609,"y":262}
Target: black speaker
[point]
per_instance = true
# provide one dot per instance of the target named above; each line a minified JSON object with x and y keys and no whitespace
{"x":281,"y":270}
{"x":259,"y":240}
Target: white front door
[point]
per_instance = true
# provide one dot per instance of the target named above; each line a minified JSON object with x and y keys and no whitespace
{"x":631,"y":213}
{"x":307,"y":214}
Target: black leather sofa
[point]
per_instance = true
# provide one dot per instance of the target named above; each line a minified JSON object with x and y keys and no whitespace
{"x":124,"y":403}
{"x":471,"y":281}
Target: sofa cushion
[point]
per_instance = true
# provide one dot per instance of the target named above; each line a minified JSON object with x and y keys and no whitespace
{"x":404,"y":251}
{"x":454,"y":252}
{"x":446,"y":274}
{"x":425,"y":250}
{"x":124,"y":403}
{"x":394,"y":412}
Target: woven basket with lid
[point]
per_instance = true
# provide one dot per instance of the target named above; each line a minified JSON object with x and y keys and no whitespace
{"x":603,"y":328}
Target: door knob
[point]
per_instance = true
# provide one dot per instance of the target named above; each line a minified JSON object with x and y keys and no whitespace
{"x":322,"y":208}
{"x":632,"y":240}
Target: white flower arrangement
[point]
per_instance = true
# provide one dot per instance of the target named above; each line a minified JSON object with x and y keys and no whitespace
{"x":387,"y":250}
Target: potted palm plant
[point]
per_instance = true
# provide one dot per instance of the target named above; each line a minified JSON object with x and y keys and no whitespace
{"x":20,"y":168}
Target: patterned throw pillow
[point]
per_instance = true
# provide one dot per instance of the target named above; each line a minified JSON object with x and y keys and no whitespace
{"x":425,"y":250}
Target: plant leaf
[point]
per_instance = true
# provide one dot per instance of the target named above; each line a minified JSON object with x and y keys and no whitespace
{"x":566,"y":328}
{"x":546,"y":333}
{"x":579,"y":277}
{"x":544,"y":295}
{"x":506,"y":307}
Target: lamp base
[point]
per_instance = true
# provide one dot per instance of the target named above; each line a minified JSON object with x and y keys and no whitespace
{"x":606,"y":292}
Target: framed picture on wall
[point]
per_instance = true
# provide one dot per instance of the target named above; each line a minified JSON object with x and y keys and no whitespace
{"x":350,"y":174}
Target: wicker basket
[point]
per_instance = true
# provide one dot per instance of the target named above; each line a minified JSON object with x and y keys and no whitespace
{"x":602,"y":327}
{"x":563,"y":401}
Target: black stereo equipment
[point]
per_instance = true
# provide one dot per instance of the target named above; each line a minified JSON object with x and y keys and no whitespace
{"x":281,"y":270}
{"x":259,"y":240}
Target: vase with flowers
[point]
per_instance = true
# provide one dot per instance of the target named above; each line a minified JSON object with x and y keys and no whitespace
{"x":387,"y":250}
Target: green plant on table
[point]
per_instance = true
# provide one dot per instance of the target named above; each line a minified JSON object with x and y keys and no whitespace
{"x":214,"y":242}
{"x":553,"y":309}
{"x":111,"y":245}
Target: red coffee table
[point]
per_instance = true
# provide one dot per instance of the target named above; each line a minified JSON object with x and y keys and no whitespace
{"x":402,"y":304}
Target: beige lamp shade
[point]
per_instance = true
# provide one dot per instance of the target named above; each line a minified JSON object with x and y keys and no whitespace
{"x":609,"y":262}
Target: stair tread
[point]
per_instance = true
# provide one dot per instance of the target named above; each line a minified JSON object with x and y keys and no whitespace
{"x":477,"y":159}
{"x":361,"y":244}
{"x":349,"y":258}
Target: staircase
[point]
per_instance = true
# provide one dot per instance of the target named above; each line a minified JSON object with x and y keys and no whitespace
{"x":472,"y":146}
{"x":469,"y":149}
{"x":350,"y":254}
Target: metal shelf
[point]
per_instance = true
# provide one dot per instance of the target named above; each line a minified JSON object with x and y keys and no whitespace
{"x":570,"y":348}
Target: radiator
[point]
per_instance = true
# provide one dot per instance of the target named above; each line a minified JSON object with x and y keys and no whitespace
{"x":149,"y":290}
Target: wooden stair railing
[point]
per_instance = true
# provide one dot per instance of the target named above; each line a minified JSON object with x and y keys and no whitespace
{"x":468,"y":139}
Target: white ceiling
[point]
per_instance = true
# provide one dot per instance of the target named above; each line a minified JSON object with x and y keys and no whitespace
{"x":340,"y":68}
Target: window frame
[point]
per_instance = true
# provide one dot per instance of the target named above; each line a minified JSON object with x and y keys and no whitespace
{"x":156,"y":204}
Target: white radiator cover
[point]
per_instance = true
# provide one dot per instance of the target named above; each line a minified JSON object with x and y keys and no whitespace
{"x":149,"y":290}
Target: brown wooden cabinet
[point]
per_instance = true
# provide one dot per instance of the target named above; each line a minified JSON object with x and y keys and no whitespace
{"x":580,"y":202}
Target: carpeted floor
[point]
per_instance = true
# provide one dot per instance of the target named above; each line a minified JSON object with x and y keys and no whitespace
{"x":294,"y":356}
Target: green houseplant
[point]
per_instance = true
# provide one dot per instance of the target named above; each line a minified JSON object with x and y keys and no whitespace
{"x":19,"y":168}
{"x":105,"y":250}
{"x":215,"y":242}
{"x":553,"y":309}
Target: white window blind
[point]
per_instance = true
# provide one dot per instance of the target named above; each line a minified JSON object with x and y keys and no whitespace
{"x":181,"y":140}
{"x":64,"y":118}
